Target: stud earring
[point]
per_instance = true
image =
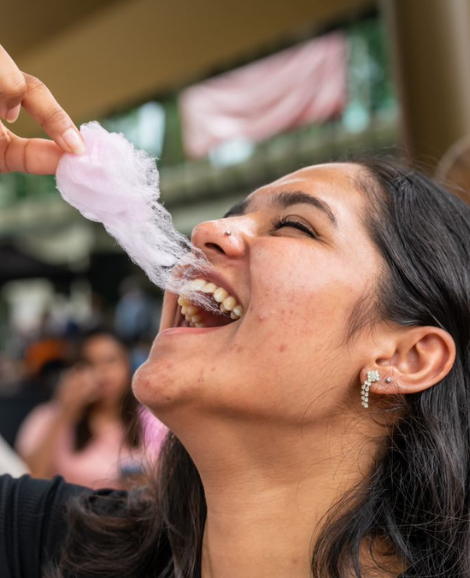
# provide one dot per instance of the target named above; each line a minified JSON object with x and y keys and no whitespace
{"x":372,"y":377}
{"x":228,"y":232}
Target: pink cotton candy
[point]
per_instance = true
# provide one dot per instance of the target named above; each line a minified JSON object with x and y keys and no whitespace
{"x":117,"y":185}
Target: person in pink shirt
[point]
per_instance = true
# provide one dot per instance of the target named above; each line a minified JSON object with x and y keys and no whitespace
{"x":90,"y":433}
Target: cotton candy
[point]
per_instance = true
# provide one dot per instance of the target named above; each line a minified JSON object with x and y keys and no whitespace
{"x":117,"y":185}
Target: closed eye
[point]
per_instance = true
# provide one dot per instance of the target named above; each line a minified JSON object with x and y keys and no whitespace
{"x":281,"y":222}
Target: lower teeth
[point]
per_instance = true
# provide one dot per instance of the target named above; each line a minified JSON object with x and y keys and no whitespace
{"x":197,"y":325}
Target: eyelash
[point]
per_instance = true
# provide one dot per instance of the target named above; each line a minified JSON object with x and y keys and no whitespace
{"x":280,"y":222}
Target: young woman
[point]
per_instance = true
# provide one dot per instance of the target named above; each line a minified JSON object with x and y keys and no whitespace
{"x":325,"y":432}
{"x":89,"y":433}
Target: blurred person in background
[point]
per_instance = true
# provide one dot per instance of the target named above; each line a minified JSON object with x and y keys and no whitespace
{"x":89,"y":432}
{"x":39,"y":369}
{"x":43,"y":363}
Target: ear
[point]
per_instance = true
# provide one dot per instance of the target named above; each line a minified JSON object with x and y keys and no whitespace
{"x":421,"y":357}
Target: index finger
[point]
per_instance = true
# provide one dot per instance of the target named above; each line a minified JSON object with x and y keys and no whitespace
{"x":46,"y":111}
{"x":12,"y":84}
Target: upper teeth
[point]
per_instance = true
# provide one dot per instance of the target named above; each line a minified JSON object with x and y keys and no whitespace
{"x":228,"y":303}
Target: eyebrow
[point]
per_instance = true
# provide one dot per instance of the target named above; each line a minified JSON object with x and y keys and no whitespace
{"x":285,"y":200}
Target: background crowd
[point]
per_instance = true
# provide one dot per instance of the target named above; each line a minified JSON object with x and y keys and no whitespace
{"x":67,"y":407}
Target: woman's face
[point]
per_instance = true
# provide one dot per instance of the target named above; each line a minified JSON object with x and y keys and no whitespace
{"x":108,"y":361}
{"x":287,"y":359}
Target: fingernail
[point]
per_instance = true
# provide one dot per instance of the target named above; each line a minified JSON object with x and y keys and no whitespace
{"x":13,"y":114}
{"x":74,"y":141}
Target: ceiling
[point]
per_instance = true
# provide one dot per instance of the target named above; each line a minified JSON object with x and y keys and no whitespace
{"x":101,"y":56}
{"x":29,"y":23}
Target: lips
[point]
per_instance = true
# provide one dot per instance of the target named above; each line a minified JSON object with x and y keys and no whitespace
{"x":169,"y":311}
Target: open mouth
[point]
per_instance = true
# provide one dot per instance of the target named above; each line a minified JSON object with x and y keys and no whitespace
{"x":222,"y":309}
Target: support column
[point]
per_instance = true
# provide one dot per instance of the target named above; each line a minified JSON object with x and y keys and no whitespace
{"x":430,"y":42}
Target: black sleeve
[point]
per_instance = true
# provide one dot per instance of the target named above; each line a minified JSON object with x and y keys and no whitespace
{"x":32,"y":523}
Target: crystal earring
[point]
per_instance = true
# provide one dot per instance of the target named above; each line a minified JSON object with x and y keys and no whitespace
{"x":372,"y":377}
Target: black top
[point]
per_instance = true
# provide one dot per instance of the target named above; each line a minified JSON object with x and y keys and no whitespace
{"x":33,"y":524}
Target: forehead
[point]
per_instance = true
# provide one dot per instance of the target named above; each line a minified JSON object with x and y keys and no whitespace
{"x":98,"y":343}
{"x":334,"y":188}
{"x":334,"y":182}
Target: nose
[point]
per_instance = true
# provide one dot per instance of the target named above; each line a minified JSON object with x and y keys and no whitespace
{"x":224,"y":237}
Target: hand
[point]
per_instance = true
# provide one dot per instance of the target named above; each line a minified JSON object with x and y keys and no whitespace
{"x":77,"y":389}
{"x":36,"y":156}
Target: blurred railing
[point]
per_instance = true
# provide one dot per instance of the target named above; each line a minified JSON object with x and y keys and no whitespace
{"x":196,"y":182}
{"x":199,"y":180}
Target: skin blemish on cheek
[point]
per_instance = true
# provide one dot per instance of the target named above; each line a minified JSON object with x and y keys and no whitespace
{"x":282,"y":347}
{"x":262,"y":316}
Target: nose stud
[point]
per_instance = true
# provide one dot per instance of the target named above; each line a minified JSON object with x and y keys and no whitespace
{"x":228,"y":232}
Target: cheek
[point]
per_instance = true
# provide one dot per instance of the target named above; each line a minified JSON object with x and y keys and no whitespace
{"x":292,"y":339}
{"x":302,"y":294}
{"x":116,"y":375}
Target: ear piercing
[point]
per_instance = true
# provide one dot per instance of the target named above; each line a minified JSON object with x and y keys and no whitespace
{"x":372,"y":377}
{"x":228,"y":232}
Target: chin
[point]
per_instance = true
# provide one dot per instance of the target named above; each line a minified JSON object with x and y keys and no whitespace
{"x":158,"y":385}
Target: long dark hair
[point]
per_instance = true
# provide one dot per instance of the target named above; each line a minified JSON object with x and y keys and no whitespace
{"x":417,"y":496}
{"x":415,"y":503}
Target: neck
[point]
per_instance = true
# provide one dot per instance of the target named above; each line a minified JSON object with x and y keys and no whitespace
{"x":269,"y":491}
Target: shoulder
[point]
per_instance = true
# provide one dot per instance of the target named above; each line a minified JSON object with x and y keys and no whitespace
{"x":34,"y":426}
{"x":33,"y":522}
